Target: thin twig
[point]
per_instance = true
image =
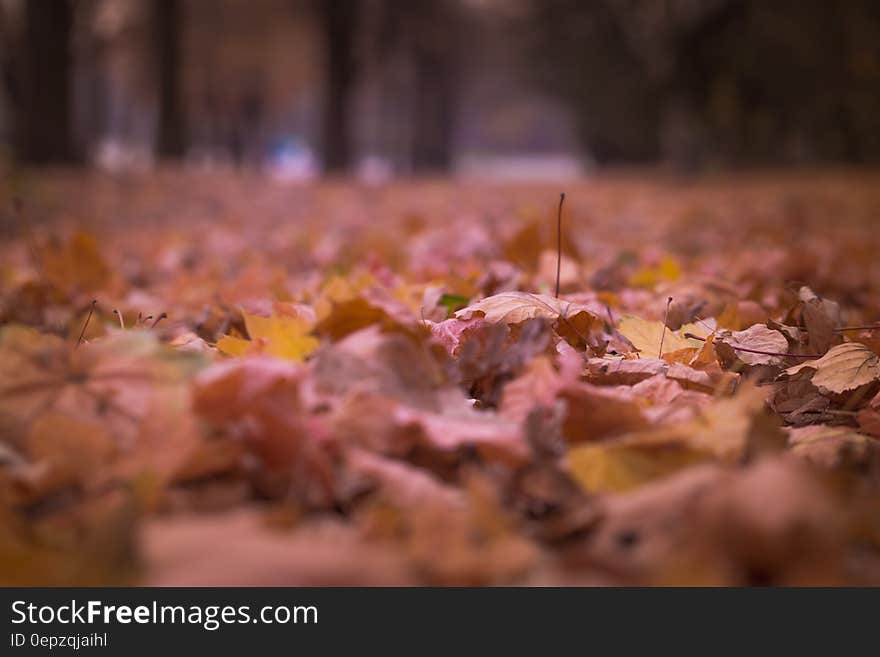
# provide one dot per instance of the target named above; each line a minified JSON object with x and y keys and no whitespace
{"x":758,"y":351}
{"x":86,"y":323}
{"x":610,"y":314}
{"x":559,"y":241}
{"x":832,"y":411}
{"x":867,"y":327}
{"x":663,"y":333}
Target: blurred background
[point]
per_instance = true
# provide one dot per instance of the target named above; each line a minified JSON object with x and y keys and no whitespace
{"x":385,"y":88}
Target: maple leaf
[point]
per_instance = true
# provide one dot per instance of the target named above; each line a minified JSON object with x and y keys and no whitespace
{"x":517,"y":307}
{"x":844,"y":368}
{"x":280,"y":336}
{"x":573,"y":321}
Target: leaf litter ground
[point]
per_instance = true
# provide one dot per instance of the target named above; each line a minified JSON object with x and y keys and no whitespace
{"x":209,"y":379}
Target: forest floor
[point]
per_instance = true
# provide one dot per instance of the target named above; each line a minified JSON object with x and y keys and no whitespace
{"x":210,"y":379}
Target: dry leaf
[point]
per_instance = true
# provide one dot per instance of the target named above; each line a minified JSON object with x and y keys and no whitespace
{"x":280,"y":336}
{"x":758,"y":338}
{"x":517,"y":307}
{"x":844,"y":368}
{"x":645,"y":336}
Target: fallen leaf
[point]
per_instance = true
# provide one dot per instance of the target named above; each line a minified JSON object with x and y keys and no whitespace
{"x":844,"y":368}
{"x":757,"y":338}
{"x":280,"y":336}
{"x":646,"y":335}
{"x":518,"y":307}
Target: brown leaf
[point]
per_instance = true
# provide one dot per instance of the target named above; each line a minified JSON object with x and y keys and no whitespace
{"x":757,"y":337}
{"x":820,"y":318}
{"x":844,"y":368}
{"x":595,"y":413}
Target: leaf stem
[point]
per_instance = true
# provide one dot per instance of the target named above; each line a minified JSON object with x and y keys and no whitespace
{"x":663,"y":333}
{"x":758,"y":351}
{"x":866,"y":327}
{"x":159,"y":319}
{"x":86,"y":323}
{"x":559,"y":241}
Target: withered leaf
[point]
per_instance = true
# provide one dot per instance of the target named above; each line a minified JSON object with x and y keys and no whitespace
{"x":844,"y":368}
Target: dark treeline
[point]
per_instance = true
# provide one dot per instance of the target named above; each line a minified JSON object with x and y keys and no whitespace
{"x":732,"y":81}
{"x":691,"y":82}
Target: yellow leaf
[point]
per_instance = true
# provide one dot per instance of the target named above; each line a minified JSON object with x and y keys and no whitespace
{"x":667,"y":270}
{"x":670,"y":270}
{"x":617,"y":467}
{"x":233,"y":346}
{"x":725,"y":431}
{"x":685,"y":355}
{"x":645,"y":336}
{"x":281,"y":336}
{"x":338,"y":290}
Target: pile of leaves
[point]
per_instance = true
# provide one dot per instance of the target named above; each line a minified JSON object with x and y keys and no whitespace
{"x":214,"y":380}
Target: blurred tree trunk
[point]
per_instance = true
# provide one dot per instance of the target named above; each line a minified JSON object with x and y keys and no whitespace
{"x":426,"y":34}
{"x":171,"y":141}
{"x":436,"y":87}
{"x":338,"y":22}
{"x":44,"y":114}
